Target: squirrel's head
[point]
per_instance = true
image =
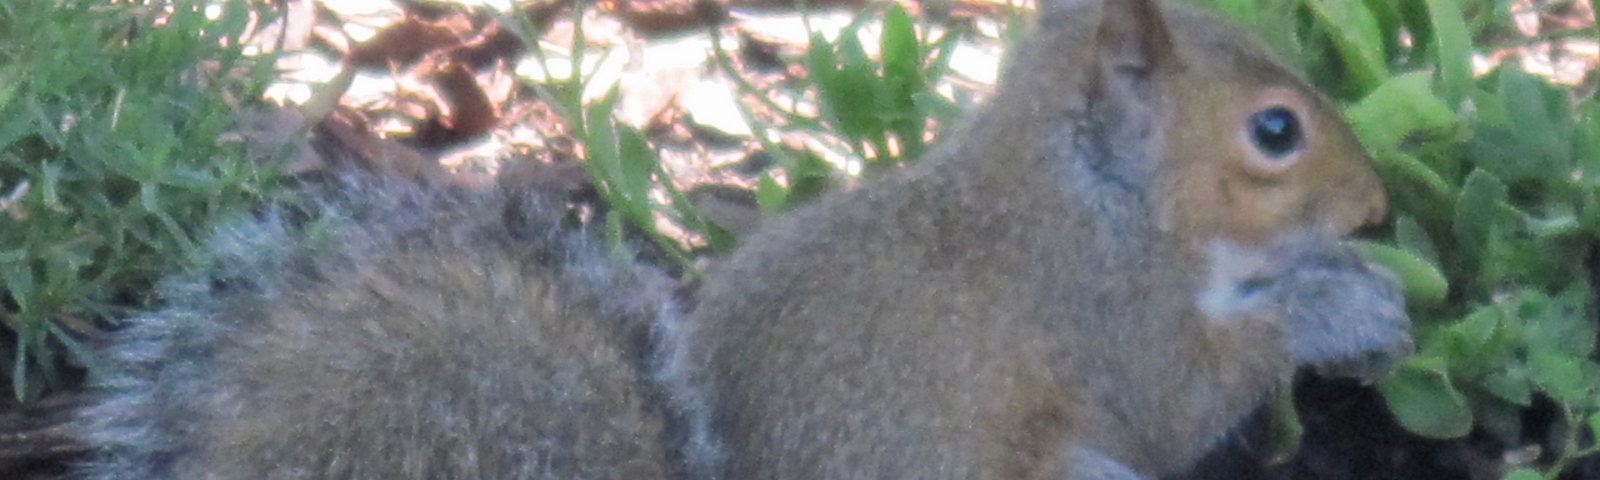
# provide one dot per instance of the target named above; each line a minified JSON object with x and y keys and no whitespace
{"x":1244,"y":149}
{"x":1253,"y":150}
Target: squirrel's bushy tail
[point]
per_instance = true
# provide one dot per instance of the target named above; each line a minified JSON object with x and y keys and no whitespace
{"x":386,"y":330}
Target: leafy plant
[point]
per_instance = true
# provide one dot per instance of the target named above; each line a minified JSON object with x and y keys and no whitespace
{"x":883,"y":109}
{"x":873,"y":102}
{"x":109,"y":163}
{"x":1493,"y":183}
{"x":624,"y":167}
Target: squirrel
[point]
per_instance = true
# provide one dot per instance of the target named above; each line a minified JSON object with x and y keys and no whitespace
{"x":1128,"y":248}
{"x":1119,"y":255}
{"x":389,"y":330}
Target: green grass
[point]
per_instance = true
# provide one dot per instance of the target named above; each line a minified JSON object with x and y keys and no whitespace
{"x":109,"y":124}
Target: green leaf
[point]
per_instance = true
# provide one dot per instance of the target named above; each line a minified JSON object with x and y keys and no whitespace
{"x":1246,"y":12}
{"x":770,"y":196}
{"x":638,"y":163}
{"x":1523,"y":474}
{"x":846,"y":85}
{"x":902,"y":78}
{"x":622,"y":165}
{"x":1556,"y":225}
{"x":1567,"y":378}
{"x":1513,"y":385}
{"x":1357,"y":36}
{"x":1476,"y":210}
{"x":78,"y":350}
{"x":1422,"y":282}
{"x":1421,"y":397}
{"x":1453,"y":48}
{"x":1398,"y":108}
{"x":1479,"y":327}
{"x":941,"y":109}
{"x":902,"y":57}
{"x":809,"y":178}
{"x":9,"y":85}
{"x":602,"y":155}
{"x":1588,"y":154}
{"x":19,"y":369}
{"x":13,"y":127}
{"x":18,"y":280}
{"x":1559,"y":324}
{"x":1478,"y":351}
{"x":149,"y":197}
{"x":1411,"y":236}
{"x":49,"y":186}
{"x":1404,"y":169}
{"x":1401,"y":110}
{"x":1531,"y":141}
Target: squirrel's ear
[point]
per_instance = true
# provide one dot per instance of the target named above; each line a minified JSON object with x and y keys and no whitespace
{"x":1133,"y":38}
{"x":1133,"y":50}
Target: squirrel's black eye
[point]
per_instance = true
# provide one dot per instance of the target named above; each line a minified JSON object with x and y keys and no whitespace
{"x":1275,"y":131}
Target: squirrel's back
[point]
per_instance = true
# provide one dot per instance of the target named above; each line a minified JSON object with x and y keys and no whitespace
{"x":396,"y":332}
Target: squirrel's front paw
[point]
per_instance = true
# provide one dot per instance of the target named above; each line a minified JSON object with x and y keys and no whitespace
{"x":1342,"y":316}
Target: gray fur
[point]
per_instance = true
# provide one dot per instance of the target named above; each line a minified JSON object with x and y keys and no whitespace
{"x":397,"y":332}
{"x":1346,"y":319}
{"x":1087,"y":464}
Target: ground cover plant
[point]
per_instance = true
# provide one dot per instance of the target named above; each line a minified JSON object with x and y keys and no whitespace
{"x":110,"y":164}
